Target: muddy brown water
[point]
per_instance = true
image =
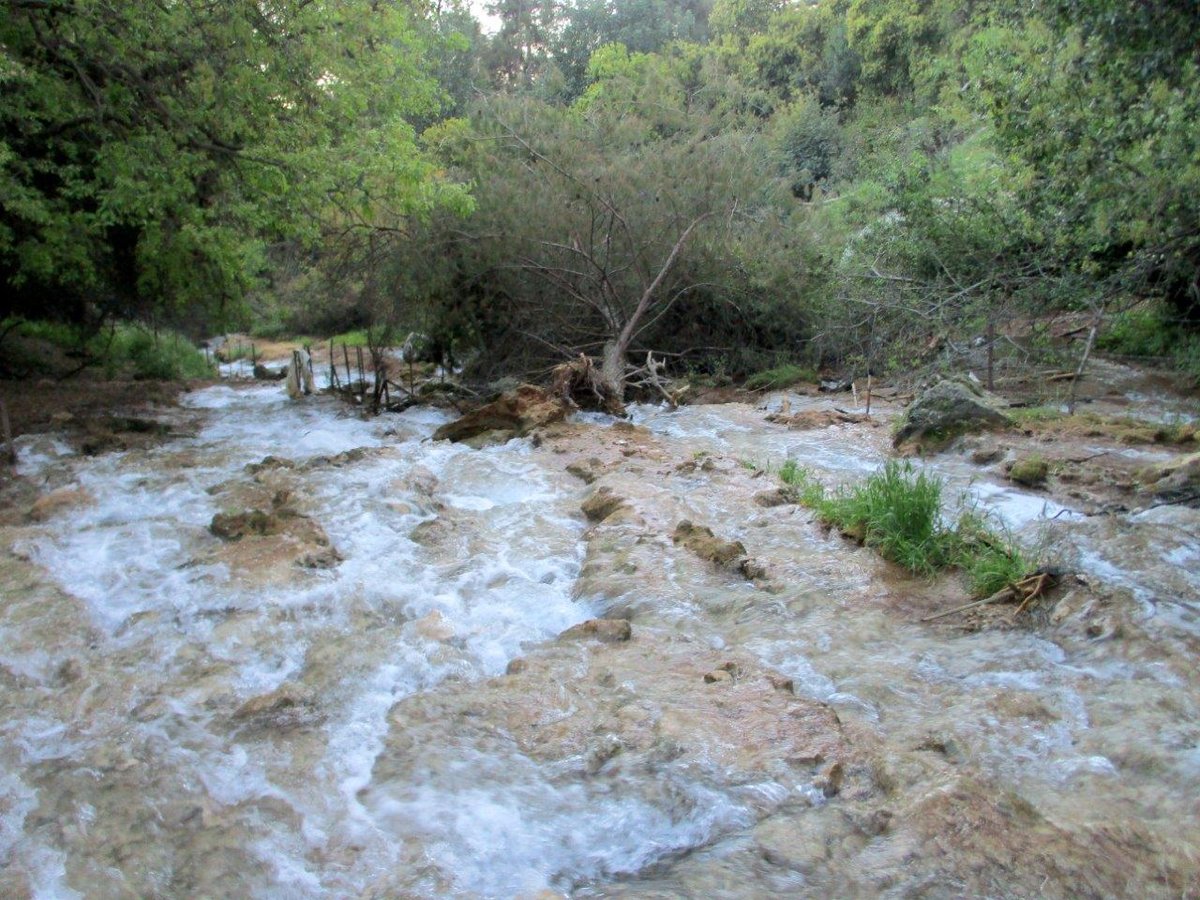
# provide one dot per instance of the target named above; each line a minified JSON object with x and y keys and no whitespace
{"x":184,"y":716}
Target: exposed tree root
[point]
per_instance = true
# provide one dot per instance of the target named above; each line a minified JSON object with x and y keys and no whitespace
{"x":1025,"y":591}
{"x":582,"y":382}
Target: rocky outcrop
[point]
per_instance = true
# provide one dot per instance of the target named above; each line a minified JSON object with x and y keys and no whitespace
{"x":1178,"y":481}
{"x":513,"y":414}
{"x":949,"y":408}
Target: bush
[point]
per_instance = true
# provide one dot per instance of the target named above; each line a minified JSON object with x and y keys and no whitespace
{"x":124,"y":349}
{"x":1150,"y":333}
{"x":780,"y":377}
{"x":164,"y":357}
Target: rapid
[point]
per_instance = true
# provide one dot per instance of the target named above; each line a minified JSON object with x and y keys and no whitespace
{"x":380,"y":692}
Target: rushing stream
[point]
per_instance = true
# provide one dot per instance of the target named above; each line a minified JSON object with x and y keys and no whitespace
{"x":183,"y":718}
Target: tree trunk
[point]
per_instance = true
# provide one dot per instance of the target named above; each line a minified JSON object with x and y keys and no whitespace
{"x":612,"y":368}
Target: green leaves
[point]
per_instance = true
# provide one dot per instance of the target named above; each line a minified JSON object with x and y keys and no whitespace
{"x":151,"y":151}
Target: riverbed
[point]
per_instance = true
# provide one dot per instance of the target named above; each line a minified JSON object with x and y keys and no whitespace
{"x":381,"y":691}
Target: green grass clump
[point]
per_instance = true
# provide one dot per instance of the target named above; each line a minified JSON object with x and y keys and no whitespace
{"x":991,"y":562}
{"x":355,"y":338}
{"x":801,"y":483}
{"x":779,"y":377}
{"x":1033,"y":414}
{"x":898,"y":512}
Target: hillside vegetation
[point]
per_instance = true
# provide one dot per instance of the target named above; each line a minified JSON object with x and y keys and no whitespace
{"x":733,"y":185}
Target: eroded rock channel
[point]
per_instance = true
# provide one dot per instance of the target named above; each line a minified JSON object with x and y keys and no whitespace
{"x":295,"y":654}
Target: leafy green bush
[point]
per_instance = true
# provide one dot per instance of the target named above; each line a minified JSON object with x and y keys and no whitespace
{"x":1138,"y":332}
{"x":780,"y":377}
{"x":355,"y":338}
{"x":145,"y":355}
{"x":124,"y":349}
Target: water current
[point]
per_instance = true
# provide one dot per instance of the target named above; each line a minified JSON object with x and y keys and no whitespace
{"x":180,"y":721}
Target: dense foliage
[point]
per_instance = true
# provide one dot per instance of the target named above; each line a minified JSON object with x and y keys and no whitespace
{"x":149,"y":152}
{"x":733,"y":184}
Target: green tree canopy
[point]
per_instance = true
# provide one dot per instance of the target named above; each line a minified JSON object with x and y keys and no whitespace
{"x":148,"y":152}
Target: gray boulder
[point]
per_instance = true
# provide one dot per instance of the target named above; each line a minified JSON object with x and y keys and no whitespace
{"x":949,"y":408}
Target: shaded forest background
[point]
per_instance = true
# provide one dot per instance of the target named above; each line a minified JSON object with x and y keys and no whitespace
{"x":730,"y":184}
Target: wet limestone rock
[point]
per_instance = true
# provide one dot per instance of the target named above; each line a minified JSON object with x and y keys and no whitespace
{"x":948,"y":408}
{"x":601,"y":504}
{"x":609,"y":631}
{"x":513,"y":414}
{"x":287,"y":706}
{"x":701,"y":541}
{"x":51,"y":504}
{"x":1178,"y":480}
{"x":776,"y":497}
{"x":729,"y":555}
{"x":587,"y":470}
{"x":235,"y":526}
{"x":1029,"y":471}
{"x":819,"y":418}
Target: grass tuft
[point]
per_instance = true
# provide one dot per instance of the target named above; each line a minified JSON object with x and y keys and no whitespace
{"x":898,"y":512}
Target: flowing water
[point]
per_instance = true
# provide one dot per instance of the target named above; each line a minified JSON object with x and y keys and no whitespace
{"x":184,"y":718}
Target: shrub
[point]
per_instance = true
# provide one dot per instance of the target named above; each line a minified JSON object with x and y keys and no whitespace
{"x":164,"y":356}
{"x":779,"y":377}
{"x":355,"y":338}
{"x":124,"y":349}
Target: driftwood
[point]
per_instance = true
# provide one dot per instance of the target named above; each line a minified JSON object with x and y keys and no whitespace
{"x":1026,"y":590}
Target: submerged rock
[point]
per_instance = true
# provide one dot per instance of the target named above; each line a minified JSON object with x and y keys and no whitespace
{"x":235,"y":526}
{"x":610,"y":631}
{"x":287,"y":706}
{"x":701,"y":541}
{"x":949,"y":408}
{"x":51,"y":504}
{"x":513,"y":414}
{"x":601,"y":504}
